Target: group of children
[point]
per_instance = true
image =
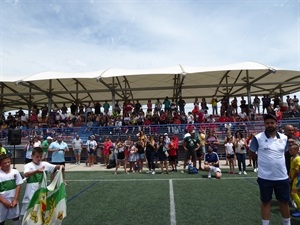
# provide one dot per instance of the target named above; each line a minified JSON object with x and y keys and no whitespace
{"x":11,"y":180}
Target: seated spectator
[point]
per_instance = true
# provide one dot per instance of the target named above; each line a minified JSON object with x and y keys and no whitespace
{"x":243,"y":116}
{"x":149,"y":113}
{"x":190,"y":118}
{"x":222,"y":120}
{"x":118,"y":125}
{"x":147,"y":125}
{"x":278,"y":113}
{"x":89,"y":126}
{"x":211,"y":120}
{"x":183,"y":118}
{"x":252,"y":114}
{"x":201,"y":118}
{"x":211,"y":163}
{"x":169,"y":117}
{"x":173,"y":106}
{"x":163,"y":117}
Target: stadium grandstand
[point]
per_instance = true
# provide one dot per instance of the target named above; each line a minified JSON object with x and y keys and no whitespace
{"x":118,"y":103}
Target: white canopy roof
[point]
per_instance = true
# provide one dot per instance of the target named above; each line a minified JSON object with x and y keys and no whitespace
{"x":190,"y":82}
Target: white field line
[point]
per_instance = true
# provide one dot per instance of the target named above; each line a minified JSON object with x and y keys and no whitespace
{"x":172,"y":204}
{"x":164,"y":179}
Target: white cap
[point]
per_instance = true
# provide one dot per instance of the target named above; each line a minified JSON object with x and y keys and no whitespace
{"x":165,"y":134}
{"x":49,"y":138}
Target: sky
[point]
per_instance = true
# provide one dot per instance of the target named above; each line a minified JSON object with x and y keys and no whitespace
{"x":88,"y":35}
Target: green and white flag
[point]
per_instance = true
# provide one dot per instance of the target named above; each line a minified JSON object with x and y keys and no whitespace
{"x":48,"y":204}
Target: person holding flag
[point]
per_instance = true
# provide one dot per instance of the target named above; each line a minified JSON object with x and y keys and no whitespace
{"x":33,"y":171}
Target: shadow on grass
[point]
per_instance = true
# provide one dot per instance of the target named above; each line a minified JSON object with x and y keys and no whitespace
{"x":275,"y":209}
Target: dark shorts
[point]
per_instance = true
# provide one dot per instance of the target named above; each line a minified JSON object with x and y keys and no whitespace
{"x":281,"y":189}
{"x":172,"y":158}
{"x":188,"y":155}
{"x":58,"y":163}
{"x":92,"y":152}
{"x":199,"y":153}
{"x":230,"y":156}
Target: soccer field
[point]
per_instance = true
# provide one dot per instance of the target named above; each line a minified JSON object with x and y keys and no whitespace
{"x":99,"y":197}
{"x":103,"y":198}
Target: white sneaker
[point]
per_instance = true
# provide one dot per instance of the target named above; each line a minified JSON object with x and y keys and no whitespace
{"x":240,"y":172}
{"x":182,"y":171}
{"x":245,"y":172}
{"x":148,"y":172}
{"x":209,"y":175}
{"x":255,"y":170}
{"x":153,"y":172}
{"x":294,"y":204}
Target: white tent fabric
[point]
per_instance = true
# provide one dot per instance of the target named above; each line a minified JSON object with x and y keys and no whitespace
{"x":120,"y":84}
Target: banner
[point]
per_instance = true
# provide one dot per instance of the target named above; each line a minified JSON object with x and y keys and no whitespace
{"x":48,"y":204}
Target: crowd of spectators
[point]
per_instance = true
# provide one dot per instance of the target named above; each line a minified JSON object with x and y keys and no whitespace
{"x":127,"y":116}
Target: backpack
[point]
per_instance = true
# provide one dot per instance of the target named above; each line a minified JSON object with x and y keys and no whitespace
{"x":192,"y":170}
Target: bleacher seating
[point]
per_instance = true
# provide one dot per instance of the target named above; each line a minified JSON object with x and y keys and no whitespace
{"x":123,"y":132}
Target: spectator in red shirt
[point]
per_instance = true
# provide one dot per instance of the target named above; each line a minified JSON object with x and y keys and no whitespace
{"x":172,"y":154}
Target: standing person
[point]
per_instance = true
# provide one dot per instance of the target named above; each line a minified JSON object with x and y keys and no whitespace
{"x":214,"y":104}
{"x":10,"y":183}
{"x":162,"y":154}
{"x":158,"y":105}
{"x":172,"y":154}
{"x":270,"y":146}
{"x":121,"y":157}
{"x":33,"y":171}
{"x":45,"y":145}
{"x":77,"y":145}
{"x":191,"y":144}
{"x":252,"y":155}
{"x":230,"y":153}
{"x":91,"y":146}
{"x":140,"y":145}
{"x":289,"y":132}
{"x":107,"y":145}
{"x":294,"y":174}
{"x":58,"y":149}
{"x":28,"y":151}
{"x":256,"y":104}
{"x":181,"y":103}
{"x":36,"y":141}
{"x":106,"y":107}
{"x":202,"y":150}
{"x":132,"y":157}
{"x":240,"y":151}
{"x":150,"y":153}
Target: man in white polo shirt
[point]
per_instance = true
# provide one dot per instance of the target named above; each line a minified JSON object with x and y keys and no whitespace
{"x":271,"y":146}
